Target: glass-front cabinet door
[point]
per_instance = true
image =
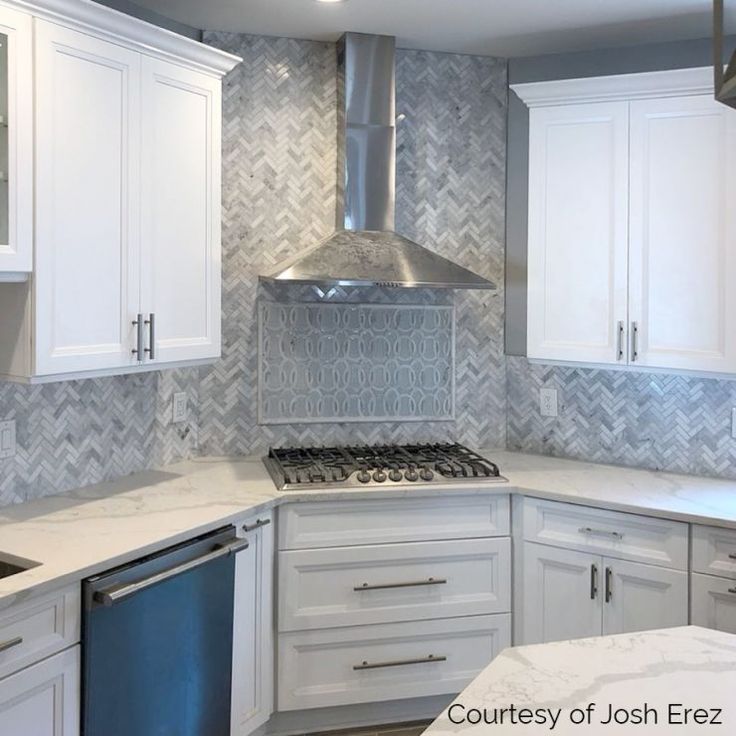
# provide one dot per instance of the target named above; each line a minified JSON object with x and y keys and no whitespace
{"x":16,"y":144}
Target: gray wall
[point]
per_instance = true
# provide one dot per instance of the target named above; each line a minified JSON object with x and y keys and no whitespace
{"x":130,"y":8}
{"x":627,"y":60}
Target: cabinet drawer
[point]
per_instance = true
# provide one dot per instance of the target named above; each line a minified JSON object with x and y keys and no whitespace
{"x":370,"y":664}
{"x":42,"y":700}
{"x":611,"y":533}
{"x":34,"y":629}
{"x":713,"y":603}
{"x":394,"y":582}
{"x":714,"y":551}
{"x":348,"y":523}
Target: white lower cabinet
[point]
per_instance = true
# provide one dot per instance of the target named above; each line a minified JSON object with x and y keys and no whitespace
{"x":571,"y":595}
{"x":390,"y":600}
{"x":585,"y":572}
{"x":42,"y":700}
{"x":713,"y":603}
{"x":713,"y":578}
{"x":252,"y":691}
{"x":367,"y":664}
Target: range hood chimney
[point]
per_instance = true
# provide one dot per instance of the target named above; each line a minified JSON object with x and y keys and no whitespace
{"x":364,"y":250}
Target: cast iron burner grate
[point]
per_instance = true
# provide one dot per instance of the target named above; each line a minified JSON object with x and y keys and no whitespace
{"x":302,"y":467}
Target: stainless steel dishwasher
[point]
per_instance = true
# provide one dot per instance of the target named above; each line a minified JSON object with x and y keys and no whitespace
{"x":157,"y":642}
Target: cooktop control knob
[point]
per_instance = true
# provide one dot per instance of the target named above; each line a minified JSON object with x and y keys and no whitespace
{"x":364,"y":476}
{"x":426,"y":474}
{"x":395,"y":475}
{"x":411,"y":474}
{"x":379,"y":476}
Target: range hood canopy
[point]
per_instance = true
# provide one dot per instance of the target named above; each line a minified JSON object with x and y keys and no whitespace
{"x":365,"y":250}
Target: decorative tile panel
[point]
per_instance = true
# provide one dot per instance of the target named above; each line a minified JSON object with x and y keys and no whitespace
{"x":355,"y":363}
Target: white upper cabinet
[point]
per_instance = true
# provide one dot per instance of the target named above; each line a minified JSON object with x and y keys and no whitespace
{"x":87,"y":245}
{"x":578,"y":199}
{"x":16,"y":144}
{"x":127,"y":196}
{"x":631,"y":228}
{"x":683,"y":231}
{"x":181,"y":211}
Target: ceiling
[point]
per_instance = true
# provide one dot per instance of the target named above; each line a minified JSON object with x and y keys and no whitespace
{"x":492,"y":27}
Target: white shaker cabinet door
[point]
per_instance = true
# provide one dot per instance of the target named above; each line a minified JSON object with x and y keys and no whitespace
{"x":683,"y":230}
{"x":42,"y":700}
{"x":642,"y":597}
{"x":561,"y":594}
{"x":714,"y":603}
{"x":16,"y":142}
{"x":181,"y":212}
{"x":578,"y":209}
{"x":87,"y":152}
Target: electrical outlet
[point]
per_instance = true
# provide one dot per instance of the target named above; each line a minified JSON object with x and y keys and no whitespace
{"x":7,"y":439}
{"x":548,"y":402}
{"x":179,"y":407}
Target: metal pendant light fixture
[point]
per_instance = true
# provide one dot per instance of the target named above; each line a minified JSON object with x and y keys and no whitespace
{"x":724,"y":79}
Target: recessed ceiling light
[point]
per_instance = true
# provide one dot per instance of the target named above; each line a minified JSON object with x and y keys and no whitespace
{"x":332,"y":2}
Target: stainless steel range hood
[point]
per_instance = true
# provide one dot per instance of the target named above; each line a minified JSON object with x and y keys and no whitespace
{"x":365,"y":250}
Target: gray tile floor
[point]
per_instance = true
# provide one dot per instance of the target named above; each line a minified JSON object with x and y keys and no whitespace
{"x":397,"y":729}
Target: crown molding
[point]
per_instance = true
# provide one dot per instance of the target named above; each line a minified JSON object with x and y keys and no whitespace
{"x":112,"y":25}
{"x":669,"y":83}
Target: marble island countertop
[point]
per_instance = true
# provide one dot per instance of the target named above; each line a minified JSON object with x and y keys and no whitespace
{"x":669,"y":681}
{"x":76,"y":534}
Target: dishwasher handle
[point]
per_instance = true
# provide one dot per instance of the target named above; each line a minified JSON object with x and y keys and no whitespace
{"x":118,"y":593}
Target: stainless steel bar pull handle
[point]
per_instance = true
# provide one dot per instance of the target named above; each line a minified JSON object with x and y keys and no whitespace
{"x":151,"y":349}
{"x":634,"y":341}
{"x":5,"y":645}
{"x":593,"y":581}
{"x":138,"y":349}
{"x":257,"y":524}
{"x":409,"y":584}
{"x":399,"y":662}
{"x":600,"y":532}
{"x":116,"y":594}
{"x":609,"y":584}
{"x":620,"y":343}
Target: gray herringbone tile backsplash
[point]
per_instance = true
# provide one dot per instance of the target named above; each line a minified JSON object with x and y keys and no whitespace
{"x":676,"y":423}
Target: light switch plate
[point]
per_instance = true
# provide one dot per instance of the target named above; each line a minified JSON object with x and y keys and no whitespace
{"x":548,"y":402}
{"x":179,"y":407}
{"x":7,"y":439}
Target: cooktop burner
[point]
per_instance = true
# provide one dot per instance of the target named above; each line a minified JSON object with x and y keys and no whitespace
{"x":327,"y":467}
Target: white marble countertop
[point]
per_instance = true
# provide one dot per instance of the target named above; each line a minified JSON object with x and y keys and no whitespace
{"x":76,"y":534}
{"x":667,"y":670}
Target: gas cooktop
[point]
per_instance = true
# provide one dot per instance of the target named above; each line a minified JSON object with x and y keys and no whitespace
{"x":298,"y":468}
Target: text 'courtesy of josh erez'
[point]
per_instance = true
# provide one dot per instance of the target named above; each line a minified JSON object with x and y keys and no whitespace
{"x":604,"y":714}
